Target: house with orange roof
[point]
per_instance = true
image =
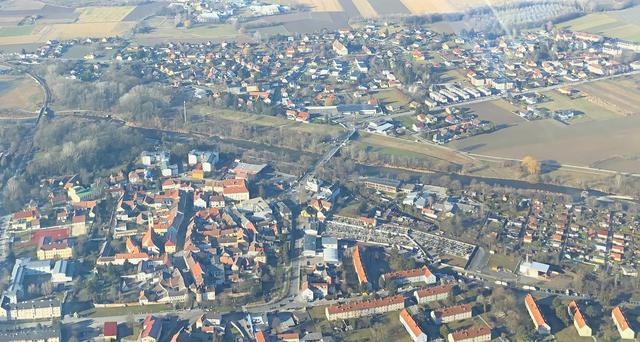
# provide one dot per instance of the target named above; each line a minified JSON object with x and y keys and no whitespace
{"x":418,"y":275}
{"x":359,"y":266}
{"x":147,"y":242}
{"x":626,"y":333}
{"x":578,"y":320}
{"x":364,"y":308}
{"x":434,"y":293}
{"x":414,"y":330}
{"x":540,"y":324}
{"x":451,"y":313}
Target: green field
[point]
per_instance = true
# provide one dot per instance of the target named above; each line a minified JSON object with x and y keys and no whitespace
{"x":591,"y":110}
{"x":165,"y":28}
{"x":623,"y":24}
{"x":10,"y":31}
{"x":266,"y":120}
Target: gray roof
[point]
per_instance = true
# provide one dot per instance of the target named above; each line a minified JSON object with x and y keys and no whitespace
{"x":30,"y":334}
{"x":45,"y":303}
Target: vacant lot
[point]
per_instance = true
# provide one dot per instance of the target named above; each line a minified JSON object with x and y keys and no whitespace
{"x":103,"y":14}
{"x":499,"y":112}
{"x":622,"y":24}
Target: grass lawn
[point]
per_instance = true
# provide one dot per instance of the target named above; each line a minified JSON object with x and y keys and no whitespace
{"x":621,"y":24}
{"x":103,"y":14}
{"x":162,"y":27}
{"x":393,"y":97}
{"x":401,"y":147}
{"x":591,"y":110}
{"x":505,"y":261}
{"x":569,"y":334}
{"x":351,"y":210}
{"x":407,"y":121}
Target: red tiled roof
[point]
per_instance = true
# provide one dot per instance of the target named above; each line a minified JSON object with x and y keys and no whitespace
{"x":434,"y":290}
{"x":416,"y":272}
{"x":535,"y":312}
{"x":410,"y":322}
{"x":471,"y":333}
{"x":357,"y":264}
{"x":453,"y":310}
{"x":618,"y":316}
{"x":366,"y":304}
{"x":110,"y":329}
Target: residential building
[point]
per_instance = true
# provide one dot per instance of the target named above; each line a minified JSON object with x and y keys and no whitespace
{"x":451,"y":313}
{"x":414,"y":330}
{"x":578,"y":320}
{"x":110,"y":331}
{"x":418,"y":275}
{"x":389,"y":186}
{"x":539,"y":323}
{"x":364,"y":308}
{"x":207,"y":159}
{"x":37,"y":309}
{"x":359,"y":266}
{"x":61,"y":249}
{"x":151,"y":330}
{"x":473,"y":334}
{"x":42,"y":334}
{"x":626,"y":333}
{"x":432,"y":294}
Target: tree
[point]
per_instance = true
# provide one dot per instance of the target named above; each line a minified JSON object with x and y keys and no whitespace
{"x":530,"y":165}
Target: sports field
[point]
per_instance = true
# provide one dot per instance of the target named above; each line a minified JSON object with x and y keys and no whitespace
{"x":623,"y":24}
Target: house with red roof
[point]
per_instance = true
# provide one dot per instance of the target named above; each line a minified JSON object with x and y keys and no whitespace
{"x":110,"y":331}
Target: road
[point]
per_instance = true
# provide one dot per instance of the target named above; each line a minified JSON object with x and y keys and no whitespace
{"x":290,"y":300}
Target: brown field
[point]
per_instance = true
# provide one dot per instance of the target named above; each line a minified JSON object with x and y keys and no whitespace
{"x":499,"y":112}
{"x":314,"y":5}
{"x":103,"y":14}
{"x":365,"y":8}
{"x":588,"y":143}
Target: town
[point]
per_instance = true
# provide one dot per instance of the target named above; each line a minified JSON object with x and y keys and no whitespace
{"x":182,"y":237}
{"x":236,"y":246}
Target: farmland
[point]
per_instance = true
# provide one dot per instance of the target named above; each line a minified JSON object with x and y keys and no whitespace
{"x":587,"y":143}
{"x":621,"y":24}
{"x":163,"y":28}
{"x":103,"y":14}
{"x":59,"y":23}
